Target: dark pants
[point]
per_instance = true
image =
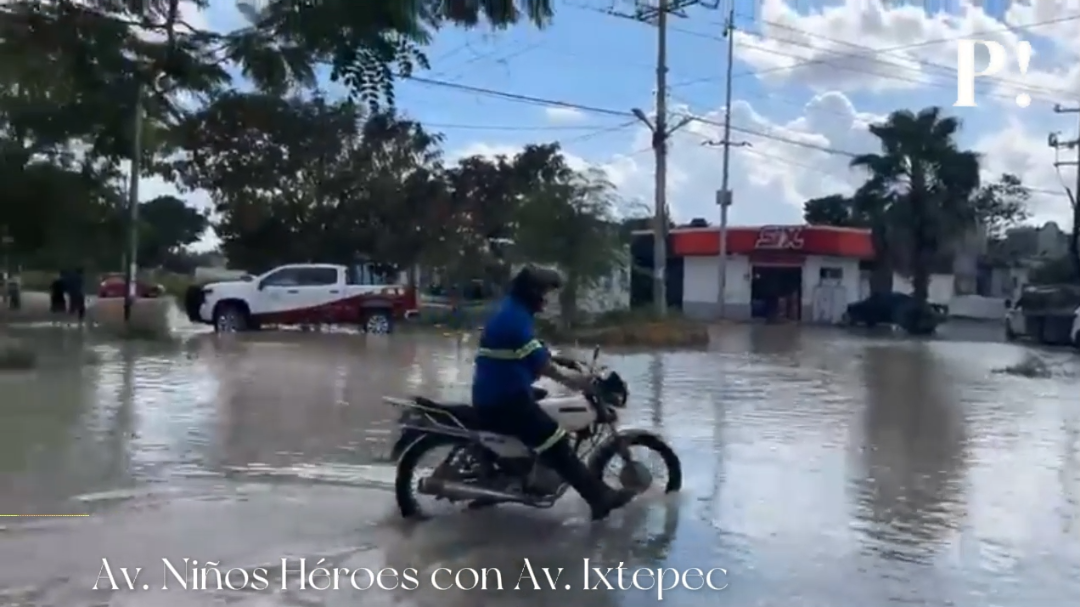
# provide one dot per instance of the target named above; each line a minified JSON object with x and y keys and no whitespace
{"x":523,"y":418}
{"x":77,"y":306}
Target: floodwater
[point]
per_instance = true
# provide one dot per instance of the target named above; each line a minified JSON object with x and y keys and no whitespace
{"x":820,"y":470}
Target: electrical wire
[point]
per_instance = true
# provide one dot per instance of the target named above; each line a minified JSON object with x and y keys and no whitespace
{"x":490,"y":127}
{"x":838,"y":54}
{"x":611,"y":112}
{"x":924,"y":43}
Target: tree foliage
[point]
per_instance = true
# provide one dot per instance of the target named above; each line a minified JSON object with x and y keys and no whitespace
{"x":922,"y":197}
{"x":304,"y":178}
{"x":292,"y":175}
{"x":168,"y":225}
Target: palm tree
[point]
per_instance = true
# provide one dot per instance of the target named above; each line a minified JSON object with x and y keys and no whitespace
{"x":919,"y":191}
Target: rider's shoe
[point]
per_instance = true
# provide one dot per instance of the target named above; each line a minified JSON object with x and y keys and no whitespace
{"x":602,"y":499}
{"x":611,"y":501}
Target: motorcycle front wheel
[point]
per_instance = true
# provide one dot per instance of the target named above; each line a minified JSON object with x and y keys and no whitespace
{"x":608,"y":453}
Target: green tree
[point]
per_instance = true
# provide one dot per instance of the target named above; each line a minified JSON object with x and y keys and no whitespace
{"x":567,"y":218}
{"x":168,"y":225}
{"x":922,"y":186}
{"x":272,"y":167}
{"x":832,"y":210}
{"x":1001,"y":205}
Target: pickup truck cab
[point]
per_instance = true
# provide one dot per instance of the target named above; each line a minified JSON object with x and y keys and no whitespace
{"x":1046,"y":314}
{"x":304,"y":294}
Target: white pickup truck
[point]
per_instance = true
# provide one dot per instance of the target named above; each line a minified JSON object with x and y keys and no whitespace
{"x":304,"y":294}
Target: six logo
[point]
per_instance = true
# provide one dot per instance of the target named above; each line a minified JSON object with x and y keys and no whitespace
{"x":780,"y":238}
{"x":966,"y":74}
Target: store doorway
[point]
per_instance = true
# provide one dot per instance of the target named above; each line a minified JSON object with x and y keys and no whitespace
{"x":776,"y":292}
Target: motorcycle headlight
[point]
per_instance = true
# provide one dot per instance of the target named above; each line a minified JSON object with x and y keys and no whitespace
{"x":612,"y":389}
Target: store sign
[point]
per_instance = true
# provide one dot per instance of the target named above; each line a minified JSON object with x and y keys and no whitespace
{"x":780,"y":238}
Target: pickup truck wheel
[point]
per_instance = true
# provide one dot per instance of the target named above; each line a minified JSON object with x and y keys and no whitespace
{"x":230,"y":318}
{"x":378,"y":322}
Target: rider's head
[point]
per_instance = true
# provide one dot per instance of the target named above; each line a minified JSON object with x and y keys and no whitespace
{"x":532,"y":284}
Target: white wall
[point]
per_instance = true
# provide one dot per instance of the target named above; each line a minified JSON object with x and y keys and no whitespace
{"x":826,"y":300}
{"x":830,"y":298}
{"x":701,"y":280}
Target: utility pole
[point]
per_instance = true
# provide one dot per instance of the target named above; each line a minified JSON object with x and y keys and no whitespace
{"x":661,"y":132}
{"x":1074,"y":235}
{"x":130,"y":281}
{"x":723,"y":198}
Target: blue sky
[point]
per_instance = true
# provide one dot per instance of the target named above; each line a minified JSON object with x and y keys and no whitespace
{"x":801,"y":123}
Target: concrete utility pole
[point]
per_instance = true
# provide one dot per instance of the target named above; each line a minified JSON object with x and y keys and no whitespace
{"x":661,"y":131}
{"x":130,"y":281}
{"x":723,"y":198}
{"x":1074,"y":236}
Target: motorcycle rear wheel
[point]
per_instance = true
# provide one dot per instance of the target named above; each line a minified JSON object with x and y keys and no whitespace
{"x":405,"y":481}
{"x":608,"y":452}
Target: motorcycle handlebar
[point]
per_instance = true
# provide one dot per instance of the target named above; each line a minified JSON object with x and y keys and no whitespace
{"x":563,"y":361}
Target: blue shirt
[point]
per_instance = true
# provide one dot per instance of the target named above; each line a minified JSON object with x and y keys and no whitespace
{"x":510,"y":357}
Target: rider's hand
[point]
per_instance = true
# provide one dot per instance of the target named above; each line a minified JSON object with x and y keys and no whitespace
{"x":580,"y":382}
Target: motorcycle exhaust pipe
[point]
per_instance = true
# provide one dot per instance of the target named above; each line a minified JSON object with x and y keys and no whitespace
{"x":460,"y":491}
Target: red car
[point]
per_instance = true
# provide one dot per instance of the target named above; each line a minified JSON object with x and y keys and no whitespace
{"x":113,"y":286}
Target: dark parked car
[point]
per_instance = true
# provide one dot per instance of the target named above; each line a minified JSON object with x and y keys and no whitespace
{"x":884,"y":309}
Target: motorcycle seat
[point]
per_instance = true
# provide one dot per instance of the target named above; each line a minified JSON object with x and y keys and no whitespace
{"x":464,"y":413}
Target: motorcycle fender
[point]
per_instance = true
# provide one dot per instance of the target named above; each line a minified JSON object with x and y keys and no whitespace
{"x":612,"y":441}
{"x":408,"y":437}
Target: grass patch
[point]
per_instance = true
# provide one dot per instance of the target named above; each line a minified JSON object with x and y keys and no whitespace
{"x":630,"y":328}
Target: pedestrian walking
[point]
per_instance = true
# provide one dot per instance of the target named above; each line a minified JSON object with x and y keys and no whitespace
{"x":76,"y":295}
{"x":13,"y":288}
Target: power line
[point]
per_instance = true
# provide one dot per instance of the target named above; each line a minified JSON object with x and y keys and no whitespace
{"x":489,"y":127}
{"x":540,"y":101}
{"x":950,"y":71}
{"x":838,"y":54}
{"x":924,"y":43}
{"x":622,"y":113}
{"x":519,"y":98}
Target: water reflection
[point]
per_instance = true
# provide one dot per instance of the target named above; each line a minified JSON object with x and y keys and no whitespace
{"x":818,"y":468}
{"x":656,"y":380}
{"x":642,"y":536}
{"x":910,"y":494}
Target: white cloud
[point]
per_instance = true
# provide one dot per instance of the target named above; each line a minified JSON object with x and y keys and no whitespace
{"x":808,"y":156}
{"x":837,"y":47}
{"x":564,"y":115}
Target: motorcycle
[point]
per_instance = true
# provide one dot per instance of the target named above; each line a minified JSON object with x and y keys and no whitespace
{"x":487,"y":468}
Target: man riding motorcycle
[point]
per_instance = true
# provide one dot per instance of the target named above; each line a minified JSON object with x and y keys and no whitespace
{"x":509,"y":361}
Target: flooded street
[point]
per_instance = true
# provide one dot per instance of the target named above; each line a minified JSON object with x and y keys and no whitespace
{"x":820,"y":469}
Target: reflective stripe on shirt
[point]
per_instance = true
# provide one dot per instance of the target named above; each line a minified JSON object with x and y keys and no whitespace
{"x":519,"y":354}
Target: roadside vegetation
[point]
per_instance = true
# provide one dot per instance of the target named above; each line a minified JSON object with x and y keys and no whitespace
{"x":294,"y":174}
{"x":924,"y":196}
